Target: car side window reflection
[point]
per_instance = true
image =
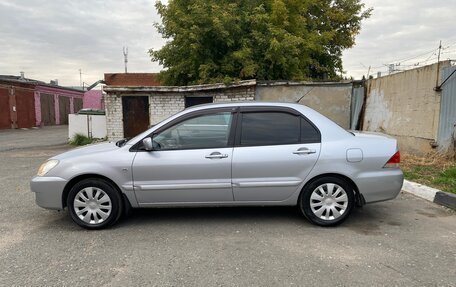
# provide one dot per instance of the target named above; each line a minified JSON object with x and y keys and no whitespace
{"x":269,"y":128}
{"x":206,"y":131}
{"x":309,"y":134}
{"x":276,"y":128}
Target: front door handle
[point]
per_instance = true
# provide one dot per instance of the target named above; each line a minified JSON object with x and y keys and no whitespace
{"x":304,"y":150}
{"x":216,"y":154}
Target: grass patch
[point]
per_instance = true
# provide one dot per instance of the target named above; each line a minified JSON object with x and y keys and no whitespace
{"x":80,"y":139}
{"x":432,"y":170}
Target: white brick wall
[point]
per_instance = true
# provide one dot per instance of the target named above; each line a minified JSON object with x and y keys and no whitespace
{"x":114,"y":123}
{"x":164,"y":105}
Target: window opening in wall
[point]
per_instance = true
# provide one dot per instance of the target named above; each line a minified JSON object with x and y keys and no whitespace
{"x":193,"y":101}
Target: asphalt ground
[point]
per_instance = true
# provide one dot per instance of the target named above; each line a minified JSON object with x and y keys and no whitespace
{"x":403,"y":242}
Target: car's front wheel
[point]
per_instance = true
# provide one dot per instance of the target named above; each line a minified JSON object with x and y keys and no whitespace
{"x":327,"y":201}
{"x":94,"y":204}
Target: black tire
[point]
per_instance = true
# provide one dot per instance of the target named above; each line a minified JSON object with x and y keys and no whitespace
{"x":305,"y":201}
{"x":109,"y":190}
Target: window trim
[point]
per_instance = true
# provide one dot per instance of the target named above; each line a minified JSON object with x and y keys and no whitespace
{"x":268,"y":109}
{"x":233,"y":110}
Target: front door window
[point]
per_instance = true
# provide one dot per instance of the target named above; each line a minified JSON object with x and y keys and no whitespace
{"x":201,"y":132}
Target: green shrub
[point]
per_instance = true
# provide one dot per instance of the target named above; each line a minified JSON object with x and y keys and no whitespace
{"x":80,"y":139}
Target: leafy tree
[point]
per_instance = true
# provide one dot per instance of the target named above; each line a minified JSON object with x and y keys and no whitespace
{"x":224,"y":40}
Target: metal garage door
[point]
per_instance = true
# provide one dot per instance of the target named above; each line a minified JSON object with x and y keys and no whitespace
{"x":5,"y":118}
{"x":64,"y":106}
{"x":135,"y":112}
{"x":25,"y":107}
{"x":47,"y":109}
{"x":77,"y":105}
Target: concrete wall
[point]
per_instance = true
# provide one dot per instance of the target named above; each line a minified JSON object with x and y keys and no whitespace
{"x":93,"y":126}
{"x":330,"y":99}
{"x":405,"y":106}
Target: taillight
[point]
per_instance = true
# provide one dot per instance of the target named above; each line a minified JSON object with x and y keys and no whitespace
{"x":394,"y":161}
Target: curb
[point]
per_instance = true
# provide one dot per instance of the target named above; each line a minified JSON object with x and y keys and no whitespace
{"x":430,"y":194}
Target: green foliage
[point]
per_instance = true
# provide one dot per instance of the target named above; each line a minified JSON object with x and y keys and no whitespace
{"x":80,"y":139}
{"x":435,"y":176}
{"x":227,"y":40}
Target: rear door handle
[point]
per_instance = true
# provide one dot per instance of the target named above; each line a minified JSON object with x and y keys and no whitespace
{"x":304,"y":150}
{"x":216,"y":154}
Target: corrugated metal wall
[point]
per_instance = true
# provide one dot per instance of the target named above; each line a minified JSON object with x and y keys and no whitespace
{"x":447,"y":109}
{"x":356,"y":106}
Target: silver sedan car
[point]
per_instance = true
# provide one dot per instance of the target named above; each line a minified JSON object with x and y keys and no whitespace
{"x":236,"y":154}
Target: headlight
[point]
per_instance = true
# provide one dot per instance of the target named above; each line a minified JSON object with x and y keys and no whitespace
{"x":47,"y":166}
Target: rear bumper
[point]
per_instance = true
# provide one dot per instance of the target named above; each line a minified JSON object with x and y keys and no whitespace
{"x":381,"y":185}
{"x":48,"y":191}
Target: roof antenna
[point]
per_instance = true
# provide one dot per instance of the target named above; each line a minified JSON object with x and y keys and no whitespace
{"x":125,"y":53}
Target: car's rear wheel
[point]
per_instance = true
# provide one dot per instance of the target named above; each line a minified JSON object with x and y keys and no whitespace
{"x":327,"y":201}
{"x":94,"y":204}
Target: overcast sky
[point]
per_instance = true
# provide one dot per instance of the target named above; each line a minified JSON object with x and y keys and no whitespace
{"x":54,"y":39}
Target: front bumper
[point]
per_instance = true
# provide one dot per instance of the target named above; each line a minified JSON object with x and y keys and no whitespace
{"x":48,"y":191}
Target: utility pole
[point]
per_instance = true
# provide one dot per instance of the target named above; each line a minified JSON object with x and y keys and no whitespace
{"x":438,"y":66}
{"x":125,"y":53}
{"x":80,"y":77}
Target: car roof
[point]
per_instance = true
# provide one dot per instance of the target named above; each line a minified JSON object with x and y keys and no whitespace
{"x":332,"y":129}
{"x":247,"y":104}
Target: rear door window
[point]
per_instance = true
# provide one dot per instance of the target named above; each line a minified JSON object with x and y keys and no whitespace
{"x":309,"y":134}
{"x":269,"y":128}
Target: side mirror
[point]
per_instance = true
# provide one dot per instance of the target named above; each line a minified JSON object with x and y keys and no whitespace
{"x":147,"y":142}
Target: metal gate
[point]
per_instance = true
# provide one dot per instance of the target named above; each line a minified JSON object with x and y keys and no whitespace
{"x":77,"y":105}
{"x":25,"y":108}
{"x":64,"y":109}
{"x":447,"y":120}
{"x":5,"y":117}
{"x":135,"y":111}
{"x":47,"y":109}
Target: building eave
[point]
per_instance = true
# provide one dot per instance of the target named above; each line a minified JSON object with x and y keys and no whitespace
{"x":177,"y":89}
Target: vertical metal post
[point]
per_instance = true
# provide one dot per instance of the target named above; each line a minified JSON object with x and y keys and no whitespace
{"x":438,"y":66}
{"x":125,"y":53}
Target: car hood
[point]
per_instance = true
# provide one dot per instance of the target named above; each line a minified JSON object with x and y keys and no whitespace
{"x":87,"y":150}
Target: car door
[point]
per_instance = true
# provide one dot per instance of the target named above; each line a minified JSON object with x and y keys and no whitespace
{"x":190,"y":163}
{"x":274,"y":152}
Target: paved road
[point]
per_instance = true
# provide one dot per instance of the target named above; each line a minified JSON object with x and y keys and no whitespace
{"x":35,"y":137}
{"x":405,"y":242}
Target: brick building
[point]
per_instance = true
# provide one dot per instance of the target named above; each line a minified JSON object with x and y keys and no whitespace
{"x":26,"y":103}
{"x":134,"y":102}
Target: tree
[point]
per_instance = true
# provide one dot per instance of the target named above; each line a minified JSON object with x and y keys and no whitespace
{"x":224,"y":40}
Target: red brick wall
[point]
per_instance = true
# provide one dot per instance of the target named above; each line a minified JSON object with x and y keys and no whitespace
{"x":132,"y":79}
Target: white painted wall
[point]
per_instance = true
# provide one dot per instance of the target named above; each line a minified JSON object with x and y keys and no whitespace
{"x":89,"y":125}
